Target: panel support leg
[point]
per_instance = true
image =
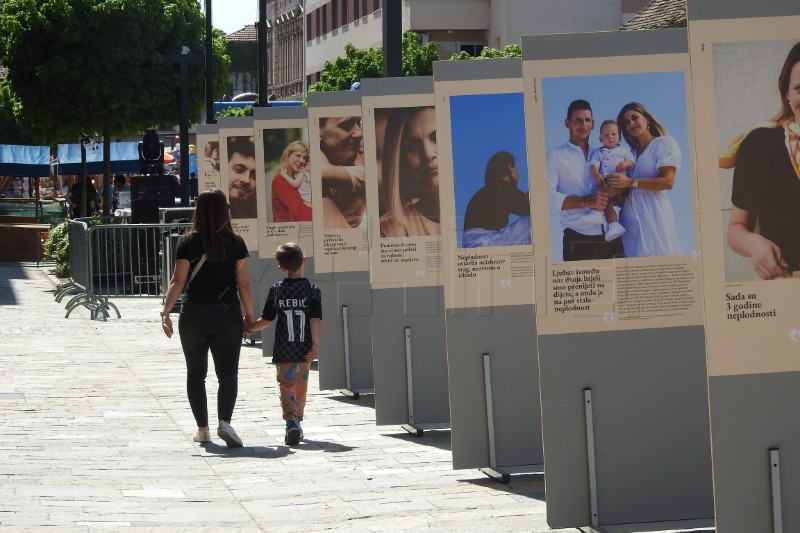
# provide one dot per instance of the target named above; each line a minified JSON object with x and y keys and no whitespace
{"x":775,"y":478}
{"x":590,"y":455}
{"x":349,"y":388}
{"x":349,"y":391}
{"x":410,"y":427}
{"x":492,"y":472}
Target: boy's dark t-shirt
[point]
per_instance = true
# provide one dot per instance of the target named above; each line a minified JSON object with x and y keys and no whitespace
{"x":293,"y":302}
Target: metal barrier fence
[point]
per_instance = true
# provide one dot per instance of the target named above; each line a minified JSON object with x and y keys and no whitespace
{"x":121,"y":260}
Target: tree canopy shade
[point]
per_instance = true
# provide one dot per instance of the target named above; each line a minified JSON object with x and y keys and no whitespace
{"x":88,"y":66}
{"x":358,"y":64}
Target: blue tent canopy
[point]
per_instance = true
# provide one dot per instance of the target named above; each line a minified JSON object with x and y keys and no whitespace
{"x":124,"y":158}
{"x":18,"y":160}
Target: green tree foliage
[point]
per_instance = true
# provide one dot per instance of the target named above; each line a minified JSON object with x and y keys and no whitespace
{"x":11,"y":132}
{"x":358,"y":64}
{"x":511,"y":50}
{"x":246,"y":111}
{"x":57,"y":247}
{"x":86,"y":66}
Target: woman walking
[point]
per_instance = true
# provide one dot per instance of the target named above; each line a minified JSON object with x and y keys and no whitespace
{"x":214,"y":261}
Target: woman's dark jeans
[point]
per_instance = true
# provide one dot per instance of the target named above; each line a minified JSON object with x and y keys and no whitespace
{"x":216,"y":327}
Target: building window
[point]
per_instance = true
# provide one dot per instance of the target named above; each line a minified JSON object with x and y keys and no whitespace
{"x":324,"y":19}
{"x":318,"y":26}
{"x":345,"y":12}
{"x":364,"y":8}
{"x":334,"y":14}
{"x":472,"y":49}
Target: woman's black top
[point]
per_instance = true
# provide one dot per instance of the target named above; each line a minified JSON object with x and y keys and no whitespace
{"x":214,"y":282}
{"x":766,"y":185}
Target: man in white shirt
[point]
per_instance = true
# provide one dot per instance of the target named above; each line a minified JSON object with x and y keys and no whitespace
{"x":573,"y":191}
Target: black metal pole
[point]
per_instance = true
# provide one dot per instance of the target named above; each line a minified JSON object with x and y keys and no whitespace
{"x":210,"y":116}
{"x":262,"y":53}
{"x":184,"y":133}
{"x":183,"y":59}
{"x":392,"y":16}
{"x":83,"y":197}
{"x":106,"y":170}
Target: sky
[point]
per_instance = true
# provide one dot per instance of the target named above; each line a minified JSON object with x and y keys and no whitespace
{"x":232,"y":15}
{"x":482,"y":125}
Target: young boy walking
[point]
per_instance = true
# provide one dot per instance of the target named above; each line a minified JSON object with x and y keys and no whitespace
{"x":297,"y":305}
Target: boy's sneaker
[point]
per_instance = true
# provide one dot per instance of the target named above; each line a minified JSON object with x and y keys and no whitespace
{"x":293,"y":433}
{"x":226,"y":433}
{"x":614,"y":231}
{"x":202,"y":435}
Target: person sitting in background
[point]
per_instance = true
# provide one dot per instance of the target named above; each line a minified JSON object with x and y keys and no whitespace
{"x":74,"y":198}
{"x":122,"y":192}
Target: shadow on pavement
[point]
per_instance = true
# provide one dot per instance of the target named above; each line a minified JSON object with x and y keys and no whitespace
{"x":329,"y":447}
{"x":525,"y":485}
{"x":262,"y":452}
{"x":438,"y":438}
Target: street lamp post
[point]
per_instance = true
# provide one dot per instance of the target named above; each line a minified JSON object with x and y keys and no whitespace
{"x":209,"y":50}
{"x":183,"y":59}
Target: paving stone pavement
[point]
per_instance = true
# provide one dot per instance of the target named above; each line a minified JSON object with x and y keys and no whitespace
{"x":97,"y":436}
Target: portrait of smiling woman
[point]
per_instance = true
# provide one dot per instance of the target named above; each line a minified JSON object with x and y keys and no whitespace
{"x":764,"y":214}
{"x":409,"y":180}
{"x":242,"y":177}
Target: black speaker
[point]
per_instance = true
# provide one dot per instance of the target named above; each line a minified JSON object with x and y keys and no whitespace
{"x":148,"y":193}
{"x":151,"y":153}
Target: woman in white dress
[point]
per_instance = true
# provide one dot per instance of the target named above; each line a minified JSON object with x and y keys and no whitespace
{"x":647,"y":213}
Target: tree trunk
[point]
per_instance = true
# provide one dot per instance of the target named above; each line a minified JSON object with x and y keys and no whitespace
{"x":106,"y":170}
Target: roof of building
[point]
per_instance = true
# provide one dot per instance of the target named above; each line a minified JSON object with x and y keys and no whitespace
{"x":659,"y":14}
{"x":248,"y":33}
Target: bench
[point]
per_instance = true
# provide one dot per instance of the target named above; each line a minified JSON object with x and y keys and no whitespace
{"x":21,"y":238}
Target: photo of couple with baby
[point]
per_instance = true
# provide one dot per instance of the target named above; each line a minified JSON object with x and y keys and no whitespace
{"x":618,"y":170}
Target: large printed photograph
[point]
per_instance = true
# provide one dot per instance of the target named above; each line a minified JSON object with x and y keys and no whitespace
{"x":757,"y":95}
{"x":344,"y":199}
{"x":490,"y":170}
{"x":286,"y":166}
{"x":407,"y":157}
{"x":242,"y":177}
{"x":618,"y":171}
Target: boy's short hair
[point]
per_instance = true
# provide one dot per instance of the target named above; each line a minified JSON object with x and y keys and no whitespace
{"x":607,"y":122}
{"x":289,"y":256}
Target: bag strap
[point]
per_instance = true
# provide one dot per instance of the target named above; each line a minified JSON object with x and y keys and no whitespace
{"x":196,"y":269}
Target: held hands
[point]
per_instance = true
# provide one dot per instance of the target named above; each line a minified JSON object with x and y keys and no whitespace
{"x":248,"y":327}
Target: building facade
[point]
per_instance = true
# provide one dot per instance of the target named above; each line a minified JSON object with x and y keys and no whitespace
{"x":304,"y":34}
{"x":286,"y":37}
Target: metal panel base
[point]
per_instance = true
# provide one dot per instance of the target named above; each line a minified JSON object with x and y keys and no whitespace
{"x":503,"y":473}
{"x":673,"y":526}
